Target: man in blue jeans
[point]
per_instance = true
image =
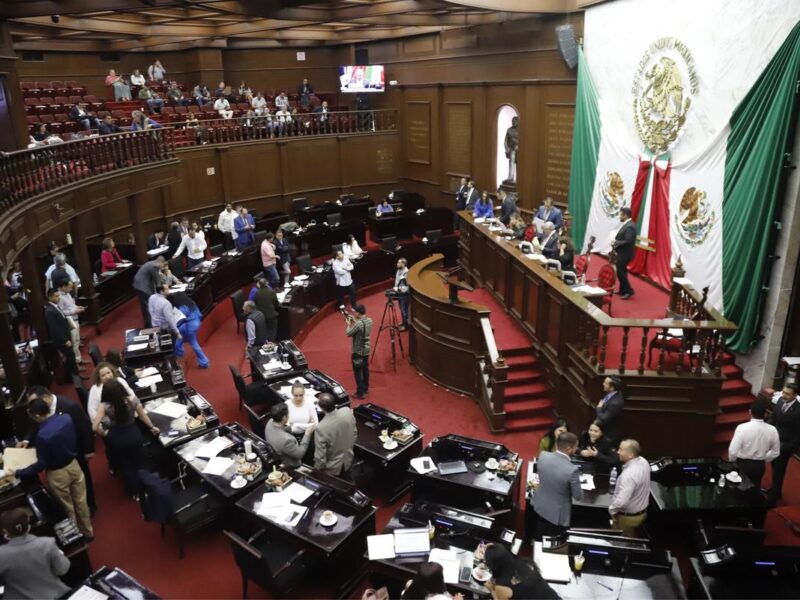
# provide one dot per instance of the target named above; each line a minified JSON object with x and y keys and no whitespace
{"x":358,"y":327}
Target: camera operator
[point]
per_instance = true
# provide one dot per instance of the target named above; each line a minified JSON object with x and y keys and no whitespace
{"x":400,"y":290}
{"x":358,"y":326}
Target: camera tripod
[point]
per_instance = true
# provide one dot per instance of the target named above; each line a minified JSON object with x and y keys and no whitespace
{"x":394,"y":331}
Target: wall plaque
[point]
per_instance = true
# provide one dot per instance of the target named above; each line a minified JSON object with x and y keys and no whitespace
{"x":559,"y":120}
{"x":418,"y":132}
{"x":459,"y":137}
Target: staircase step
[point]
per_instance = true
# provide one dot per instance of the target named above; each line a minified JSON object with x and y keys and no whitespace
{"x":732,"y":371}
{"x":528,"y":408}
{"x":525,"y":361}
{"x":731,"y":419}
{"x":736,"y":387}
{"x":524,"y":376}
{"x":541,"y":424}
{"x":529,"y":390}
{"x":516,"y":351}
{"x":728,"y":359}
{"x":735,"y":403}
{"x":723,"y":438}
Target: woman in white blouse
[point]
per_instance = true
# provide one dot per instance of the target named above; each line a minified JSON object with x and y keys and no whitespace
{"x":104,"y":371}
{"x":351,"y":248}
{"x":302,"y":412}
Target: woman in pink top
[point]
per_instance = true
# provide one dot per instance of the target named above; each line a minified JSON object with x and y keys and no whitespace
{"x":268,"y":260}
{"x":121,"y":89}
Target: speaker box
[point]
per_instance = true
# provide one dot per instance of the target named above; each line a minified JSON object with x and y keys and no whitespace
{"x":565,"y":35}
{"x":362,"y":56}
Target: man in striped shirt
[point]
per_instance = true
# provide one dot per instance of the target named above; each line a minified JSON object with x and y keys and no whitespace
{"x":632,"y":494}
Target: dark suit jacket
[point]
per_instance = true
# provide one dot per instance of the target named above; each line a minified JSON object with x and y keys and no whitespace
{"x":77,"y":114}
{"x":461,"y":197}
{"x":550,"y":247}
{"x":105,"y":129}
{"x":610,"y":416}
{"x":567,"y":261}
{"x":147,"y":278}
{"x":625,"y":242}
{"x":788,"y":426}
{"x":470,"y":198}
{"x":318,"y":114}
{"x":152,"y":242}
{"x":508,"y":208}
{"x":554,"y":216}
{"x":308,"y":89}
{"x":174,"y":239}
{"x":559,"y":484}
{"x":83,"y":426}
{"x":57,"y":325}
{"x":267,"y":302}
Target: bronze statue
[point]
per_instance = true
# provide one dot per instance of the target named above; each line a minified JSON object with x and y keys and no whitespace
{"x":511,"y":144}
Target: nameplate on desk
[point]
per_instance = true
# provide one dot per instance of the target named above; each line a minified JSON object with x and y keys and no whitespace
{"x":136,"y":347}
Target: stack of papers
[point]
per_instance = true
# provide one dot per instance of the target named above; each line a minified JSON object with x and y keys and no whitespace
{"x":554,"y":567}
{"x":173,"y":410}
{"x":423,"y":464}
{"x":588,"y":289}
{"x":135,"y":347}
{"x":178,"y":287}
{"x":282,"y":296}
{"x":283,"y":507}
{"x":18,"y":458}
{"x":214,"y":447}
{"x":147,"y":372}
{"x":218,"y":465}
{"x":148,"y":381}
{"x":450,"y":563}
{"x":86,"y":593}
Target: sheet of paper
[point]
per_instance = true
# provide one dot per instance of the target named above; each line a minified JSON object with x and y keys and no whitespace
{"x":18,"y":458}
{"x":148,"y":381}
{"x":450,"y":564}
{"x":173,"y":410}
{"x":180,"y":287}
{"x":412,"y":541}
{"x":554,"y":567}
{"x":791,"y":360}
{"x":420,"y":462}
{"x":297,"y":492}
{"x":587,"y":482}
{"x":380,"y":547}
{"x":273,"y":499}
{"x":148,"y":372}
{"x":135,"y":347}
{"x":86,"y":593}
{"x":287,"y":516}
{"x":212,"y":448}
{"x":218,"y":465}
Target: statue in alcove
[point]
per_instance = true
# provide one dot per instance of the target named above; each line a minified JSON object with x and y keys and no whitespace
{"x":511,"y":144}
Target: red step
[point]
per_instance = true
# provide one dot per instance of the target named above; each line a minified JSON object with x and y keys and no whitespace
{"x":527,"y":408}
{"x":524,"y":376}
{"x":736,"y":387}
{"x":528,"y":390}
{"x":735,"y":403}
{"x":723,"y":438}
{"x":540,"y":424}
{"x":518,"y":351}
{"x":732,"y":371}
{"x":731,"y":419}
{"x":521,"y":362}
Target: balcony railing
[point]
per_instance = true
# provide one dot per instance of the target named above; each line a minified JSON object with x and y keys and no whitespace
{"x":28,"y":173}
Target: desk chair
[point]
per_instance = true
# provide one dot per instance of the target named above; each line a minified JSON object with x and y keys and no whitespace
{"x":335,"y":248}
{"x":275,"y":565}
{"x":95,"y":354}
{"x":257,"y":416}
{"x":304,"y":264}
{"x":606,"y":279}
{"x":260,"y":237}
{"x":298,"y":205}
{"x":237,"y":300}
{"x":217,"y":250}
{"x":176,"y":267}
{"x":250,"y":394}
{"x":433,"y":235}
{"x":80,"y":390}
{"x":334,"y":219}
{"x":389,"y":244}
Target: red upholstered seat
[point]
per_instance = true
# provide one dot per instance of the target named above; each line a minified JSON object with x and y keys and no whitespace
{"x":581,"y":264}
{"x":31,"y":101}
{"x":31,"y":119}
{"x":607,"y":279}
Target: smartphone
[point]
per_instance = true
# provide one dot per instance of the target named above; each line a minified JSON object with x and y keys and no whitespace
{"x":465,"y":575}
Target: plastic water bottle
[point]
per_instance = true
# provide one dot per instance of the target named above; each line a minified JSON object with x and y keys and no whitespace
{"x":95,"y":279}
{"x":612,"y":479}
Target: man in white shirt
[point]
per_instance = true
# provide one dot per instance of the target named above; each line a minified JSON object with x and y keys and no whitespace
{"x":755,"y":443}
{"x":60,"y":262}
{"x":282,"y":102}
{"x":342,"y":269}
{"x":283,"y":119}
{"x":223,"y":107}
{"x":71,"y":310}
{"x":195,"y":245}
{"x":259,"y":104}
{"x":628,"y":510}
{"x":225,"y":225}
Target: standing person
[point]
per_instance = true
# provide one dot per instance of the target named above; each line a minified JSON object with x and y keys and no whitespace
{"x":625,"y":246}
{"x":305,"y":91}
{"x":255,"y":325}
{"x":786,"y":419}
{"x":60,"y":330}
{"x":195,"y":244}
{"x":342,"y":269}
{"x":266,"y":301}
{"x":244,"y":226}
{"x":72,"y":312}
{"x":30,"y":566}
{"x":225,"y":225}
{"x":628,"y":510}
{"x":401,"y":289}
{"x":174,"y":237}
{"x":559,"y":484}
{"x":508,"y":205}
{"x":461,"y":195}
{"x":755,"y":443}
{"x":56,"y":452}
{"x":471,"y":195}
{"x":609,"y":411}
{"x":548,"y":212}
{"x":334,"y":438}
{"x":286,"y":446}
{"x":156,"y":71}
{"x":189,"y":327}
{"x":358,"y":327}
{"x":163,"y":314}
{"x":269,"y":260}
{"x":145,"y":284}
{"x":284,"y":255}
{"x":103,"y":372}
{"x":84,"y":438}
{"x":115,"y":421}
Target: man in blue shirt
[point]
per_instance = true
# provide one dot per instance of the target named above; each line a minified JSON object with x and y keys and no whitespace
{"x":56,"y":451}
{"x":245,"y":226}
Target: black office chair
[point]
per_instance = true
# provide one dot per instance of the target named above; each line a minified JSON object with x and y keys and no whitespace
{"x":273,"y":564}
{"x":237,"y":300}
{"x":95,"y":354}
{"x":176,"y":267}
{"x":185,"y":505}
{"x":98,"y":266}
{"x":80,"y":391}
{"x":304,"y":264}
{"x":260,"y":237}
{"x":251,"y":394}
{"x":336,"y":247}
{"x":433,"y":235}
{"x":334,"y":219}
{"x":298,"y":205}
{"x":389,"y":244}
{"x":217,"y":250}
{"x":257,"y":416}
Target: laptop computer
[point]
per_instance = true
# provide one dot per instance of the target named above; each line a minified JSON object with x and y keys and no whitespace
{"x":413,"y":541}
{"x":452,"y":467}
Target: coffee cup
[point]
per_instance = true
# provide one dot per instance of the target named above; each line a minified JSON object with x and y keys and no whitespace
{"x":275,"y":476}
{"x":327,"y":515}
{"x":250,"y":457}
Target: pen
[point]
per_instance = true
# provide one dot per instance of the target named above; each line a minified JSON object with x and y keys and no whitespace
{"x":609,"y":588}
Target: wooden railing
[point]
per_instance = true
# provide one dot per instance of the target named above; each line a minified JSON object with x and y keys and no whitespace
{"x":492,"y":377}
{"x":28,"y":173}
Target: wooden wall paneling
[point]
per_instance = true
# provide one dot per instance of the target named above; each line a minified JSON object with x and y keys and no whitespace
{"x":368,"y":160}
{"x":554,"y":181}
{"x":418,"y":131}
{"x":516,"y":293}
{"x":197,"y":189}
{"x":458,"y":144}
{"x":313,"y":166}
{"x":253,"y":172}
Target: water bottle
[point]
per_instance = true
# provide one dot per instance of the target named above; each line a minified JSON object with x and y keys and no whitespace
{"x":95,"y":279}
{"x":612,"y":479}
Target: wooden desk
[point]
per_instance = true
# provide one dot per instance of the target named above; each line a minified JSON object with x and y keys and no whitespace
{"x":113,"y":290}
{"x":173,"y":431}
{"x":172,"y":379}
{"x":397,"y":224}
{"x":755,"y":573}
{"x":159,"y":346}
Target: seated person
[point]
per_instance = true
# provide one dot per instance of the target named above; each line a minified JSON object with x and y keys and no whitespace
{"x":530,"y":232}
{"x":245,"y":92}
{"x":175,"y":94}
{"x":153,"y":100}
{"x":548,"y":441}
{"x":483,"y":207}
{"x":223,"y":107}
{"x":107,"y":126}
{"x":351,"y":248}
{"x":285,"y":445}
{"x":549,"y":241}
{"x":302,"y":412}
{"x":594,"y":446}
{"x":514,"y":577}
{"x":137,"y":78}
{"x":41,"y":133}
{"x":122,"y":90}
{"x":109,"y":257}
{"x":384,"y":207}
{"x":141,"y":123}
{"x":259,"y":104}
{"x":80,"y":115}
{"x":201,"y":94}
{"x":517,"y":226}
{"x":566,"y":254}
{"x":282,"y":102}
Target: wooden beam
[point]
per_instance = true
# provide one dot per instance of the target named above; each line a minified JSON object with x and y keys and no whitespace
{"x":104,"y":26}
{"x":523,"y":6}
{"x":46,"y":8}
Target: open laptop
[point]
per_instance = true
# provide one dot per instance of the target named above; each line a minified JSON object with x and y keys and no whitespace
{"x":452,"y":467}
{"x":414,"y":541}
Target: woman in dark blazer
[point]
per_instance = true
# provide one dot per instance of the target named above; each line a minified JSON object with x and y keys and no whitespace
{"x":566,"y":254}
{"x":594,"y":446}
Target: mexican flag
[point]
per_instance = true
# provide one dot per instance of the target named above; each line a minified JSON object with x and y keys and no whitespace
{"x":716,"y":209}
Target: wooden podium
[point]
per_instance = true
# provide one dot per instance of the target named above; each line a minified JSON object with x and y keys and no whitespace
{"x":454,"y":284}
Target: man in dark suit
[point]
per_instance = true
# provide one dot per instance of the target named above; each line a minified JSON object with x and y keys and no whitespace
{"x":625,"y":246}
{"x":266,"y":301}
{"x":548,"y":212}
{"x":60,"y":330}
{"x":145,"y":284}
{"x":155,"y":240}
{"x":549,"y":241}
{"x":86,"y":120}
{"x":471,"y":196}
{"x":107,"y":126}
{"x":786,"y":419}
{"x":461,"y":195}
{"x":610,"y":408}
{"x":83,"y":428}
{"x":323,"y":117}
{"x":559,"y":484}
{"x":508,"y":206}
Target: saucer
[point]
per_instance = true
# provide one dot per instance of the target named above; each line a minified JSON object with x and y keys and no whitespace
{"x":286,"y":367}
{"x":238,"y":482}
{"x":328,"y":522}
{"x":389,"y":444}
{"x":487,"y":575}
{"x":734,"y":477}
{"x":491,"y":464}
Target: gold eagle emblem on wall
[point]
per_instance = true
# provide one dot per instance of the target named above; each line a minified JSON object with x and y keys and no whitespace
{"x":695,"y":218}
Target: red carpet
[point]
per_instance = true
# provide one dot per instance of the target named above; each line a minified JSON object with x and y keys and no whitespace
{"x":208,"y":570}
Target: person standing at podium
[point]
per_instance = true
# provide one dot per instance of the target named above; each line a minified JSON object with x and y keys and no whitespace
{"x":628,"y":510}
{"x":755,"y":443}
{"x":559,"y":484}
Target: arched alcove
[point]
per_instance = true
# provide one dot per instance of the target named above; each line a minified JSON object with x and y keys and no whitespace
{"x":504,"y":116}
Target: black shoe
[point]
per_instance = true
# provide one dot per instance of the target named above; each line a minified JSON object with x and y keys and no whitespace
{"x":624,"y":296}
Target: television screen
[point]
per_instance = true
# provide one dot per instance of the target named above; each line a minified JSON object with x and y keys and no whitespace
{"x":361,"y":78}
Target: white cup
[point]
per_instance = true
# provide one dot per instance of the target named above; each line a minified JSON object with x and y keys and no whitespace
{"x":248,"y":447}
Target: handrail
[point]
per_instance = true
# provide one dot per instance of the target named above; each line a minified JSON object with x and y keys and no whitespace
{"x":488,"y":338}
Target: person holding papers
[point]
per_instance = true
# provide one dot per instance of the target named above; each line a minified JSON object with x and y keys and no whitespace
{"x":195,"y":245}
{"x":548,"y":213}
{"x":123,"y":440}
{"x":483,"y":207}
{"x":549,"y":241}
{"x":284,"y":444}
{"x":302,"y":413}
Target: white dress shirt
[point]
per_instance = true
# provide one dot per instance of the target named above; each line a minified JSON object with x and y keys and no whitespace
{"x":755,"y":440}
{"x":300,"y":417}
{"x":341,"y":270}
{"x":196,"y":246}
{"x":259,"y":104}
{"x":225,"y":221}
{"x":96,"y":395}
{"x":632,"y":493}
{"x":137,"y":79}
